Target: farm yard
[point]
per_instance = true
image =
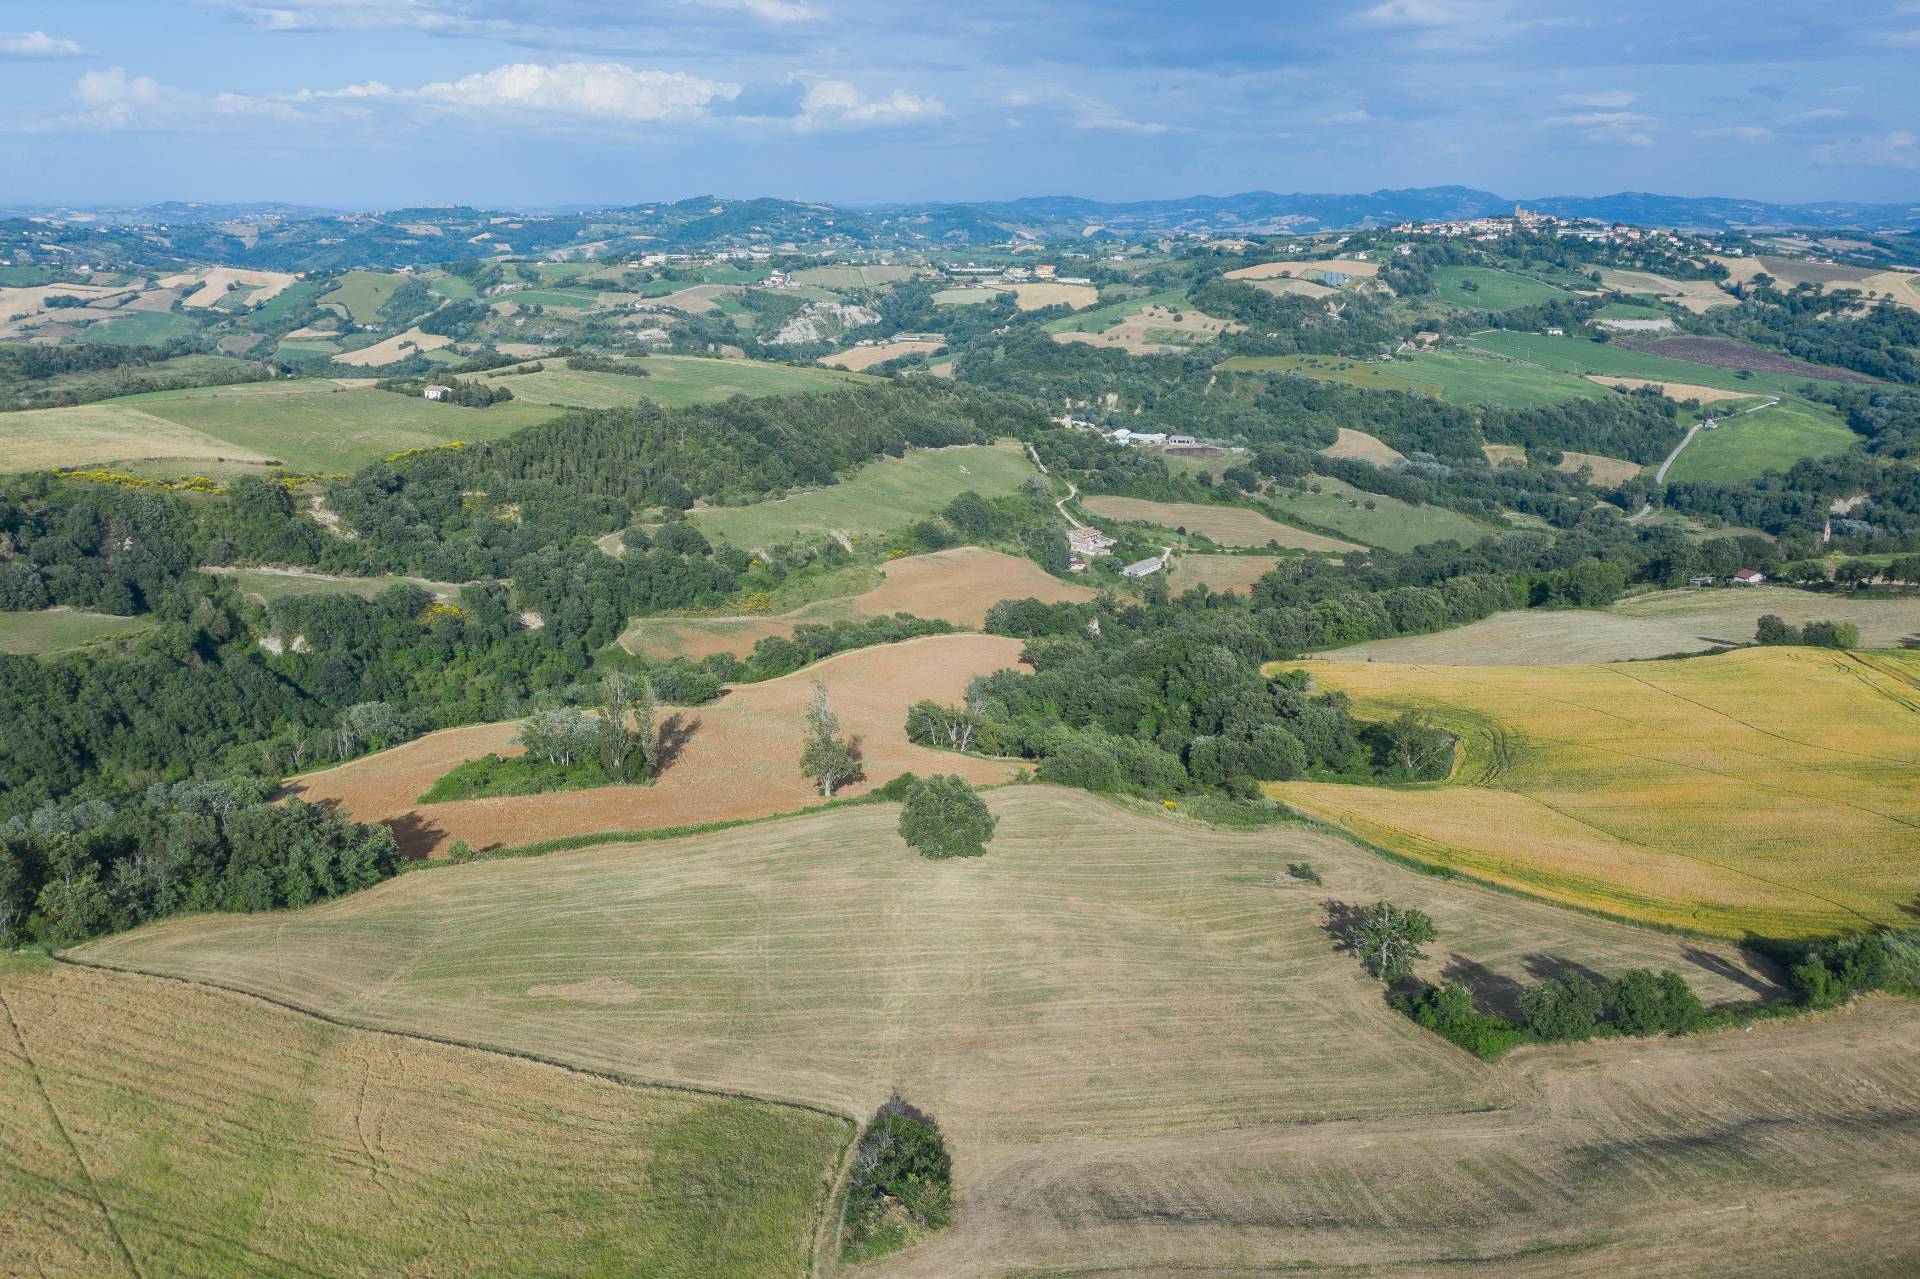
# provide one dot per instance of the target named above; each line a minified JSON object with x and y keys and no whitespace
{"x":1763,"y":791}
{"x":1182,"y":1070}
{"x":882,"y":496}
{"x":732,"y":760}
{"x":1226,"y":525}
{"x":957,"y":586}
{"x":163,"y":1128}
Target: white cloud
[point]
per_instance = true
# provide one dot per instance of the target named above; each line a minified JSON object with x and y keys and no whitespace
{"x":1082,"y":112}
{"x":112,"y":99}
{"x":1612,"y":99}
{"x":1611,"y":128}
{"x":609,"y":91}
{"x":1898,"y":150}
{"x":1749,"y":133}
{"x":1818,"y":113}
{"x":354,"y":15}
{"x":1358,"y":115}
{"x":1902,"y":39}
{"x":780,"y":12}
{"x":840,"y":102}
{"x":1430,"y":13}
{"x":37,"y":44}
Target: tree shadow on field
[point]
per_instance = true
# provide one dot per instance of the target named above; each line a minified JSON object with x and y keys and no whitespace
{"x":415,"y":835}
{"x":859,"y":773}
{"x":1494,"y":992}
{"x":1767,"y":986}
{"x":1540,"y":967}
{"x":676,"y":730}
{"x":1343,"y":924}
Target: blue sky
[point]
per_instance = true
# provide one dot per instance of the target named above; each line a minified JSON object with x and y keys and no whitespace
{"x":378,"y":103}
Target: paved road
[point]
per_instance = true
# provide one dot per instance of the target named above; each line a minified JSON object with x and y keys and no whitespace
{"x":1660,"y":476}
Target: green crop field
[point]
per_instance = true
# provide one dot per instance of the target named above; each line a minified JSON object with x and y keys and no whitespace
{"x":673,"y":380}
{"x":141,"y":328}
{"x":62,"y":630}
{"x":966,"y":297}
{"x":1392,"y":524}
{"x":888,"y":494}
{"x":1495,"y":290}
{"x":363,"y":293}
{"x":452,"y":287}
{"x":1767,"y":790}
{"x":1332,"y":368}
{"x":1741,"y":448}
{"x":547,"y":297}
{"x":1125,"y":1023}
{"x":1468,"y":377}
{"x":158,"y":1128}
{"x":853,"y":277}
{"x":270,"y":586}
{"x":295,"y":297}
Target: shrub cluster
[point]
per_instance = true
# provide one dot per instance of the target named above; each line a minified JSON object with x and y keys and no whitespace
{"x":902,"y":1182}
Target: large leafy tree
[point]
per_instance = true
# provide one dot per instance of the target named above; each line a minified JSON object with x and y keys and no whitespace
{"x":1390,"y":938}
{"x":945,"y":817}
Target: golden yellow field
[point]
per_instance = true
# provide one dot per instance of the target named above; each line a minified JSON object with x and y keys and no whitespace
{"x":861,"y":358}
{"x":1681,"y":391}
{"x":1772,"y":791}
{"x":1607,"y":471}
{"x":1364,"y":447}
{"x":1344,"y":266}
{"x":396,"y":348}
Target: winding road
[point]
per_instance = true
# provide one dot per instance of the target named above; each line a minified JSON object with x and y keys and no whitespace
{"x":1660,"y":476}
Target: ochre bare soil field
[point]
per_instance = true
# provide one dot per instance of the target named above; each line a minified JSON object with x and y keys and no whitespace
{"x":1768,"y":791}
{"x":1654,"y":625}
{"x":1037,"y":297}
{"x":1227,"y":525}
{"x":1219,"y":572}
{"x":858,"y":359}
{"x":735,"y":758}
{"x":1144,"y":1043}
{"x":1154,"y":330}
{"x":1679,"y":391}
{"x":156,"y":1128}
{"x":396,"y":348}
{"x":957,"y":586}
{"x":1367,"y":448}
{"x":1608,"y":472}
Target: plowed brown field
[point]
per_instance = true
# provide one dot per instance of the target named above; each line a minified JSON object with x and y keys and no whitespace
{"x":739,"y":757}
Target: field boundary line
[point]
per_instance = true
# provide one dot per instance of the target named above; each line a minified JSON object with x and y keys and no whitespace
{"x":471,"y":1045}
{"x":80,"y":1160}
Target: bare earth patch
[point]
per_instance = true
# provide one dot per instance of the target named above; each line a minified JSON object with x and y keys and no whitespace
{"x":394,"y":349}
{"x":1681,"y":391}
{"x":216,"y":283}
{"x":859,"y":359}
{"x":1363,"y":447}
{"x":957,"y":586}
{"x":1035,"y":297}
{"x":1155,"y":330}
{"x":1608,"y":472}
{"x":736,"y":758}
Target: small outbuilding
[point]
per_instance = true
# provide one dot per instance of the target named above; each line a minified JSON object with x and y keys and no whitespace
{"x":1747,"y":577}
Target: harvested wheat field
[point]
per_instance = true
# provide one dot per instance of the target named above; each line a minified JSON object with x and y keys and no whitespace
{"x":1608,"y":472}
{"x":1269,"y":270}
{"x":394,"y":349}
{"x":1287,"y":286}
{"x":1499,"y":455}
{"x":1653,"y":625}
{"x":1139,"y":1035}
{"x":957,"y":586}
{"x":1697,"y":296}
{"x":1227,"y":525}
{"x":858,"y":359}
{"x":1219,"y":572}
{"x":736,"y":758}
{"x":159,"y":1128}
{"x":1154,"y":330}
{"x":1769,"y":791}
{"x":1364,"y":447}
{"x":260,"y":286}
{"x":1037,"y":297}
{"x":1681,"y":391}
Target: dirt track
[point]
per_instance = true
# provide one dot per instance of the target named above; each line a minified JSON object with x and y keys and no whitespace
{"x":736,"y":758}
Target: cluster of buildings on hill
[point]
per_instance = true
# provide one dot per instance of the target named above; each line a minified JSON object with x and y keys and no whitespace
{"x":1522,"y":220}
{"x":1088,"y":543}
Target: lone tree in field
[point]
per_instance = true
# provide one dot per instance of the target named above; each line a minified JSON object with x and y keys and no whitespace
{"x":1390,"y":939}
{"x":944,"y":817}
{"x":629,"y":741}
{"x":825,"y":757}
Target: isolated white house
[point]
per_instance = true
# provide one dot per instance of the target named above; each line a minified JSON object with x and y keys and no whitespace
{"x":1747,"y":577}
{"x":436,"y":392}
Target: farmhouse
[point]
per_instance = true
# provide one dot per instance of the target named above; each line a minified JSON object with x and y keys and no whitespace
{"x":1144,"y":568}
{"x":1124,"y":436}
{"x":1747,"y":577}
{"x":1174,"y":441}
{"x":1087,"y":540}
{"x":1425,"y":338}
{"x":436,"y":392}
{"x":1700,"y":581}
